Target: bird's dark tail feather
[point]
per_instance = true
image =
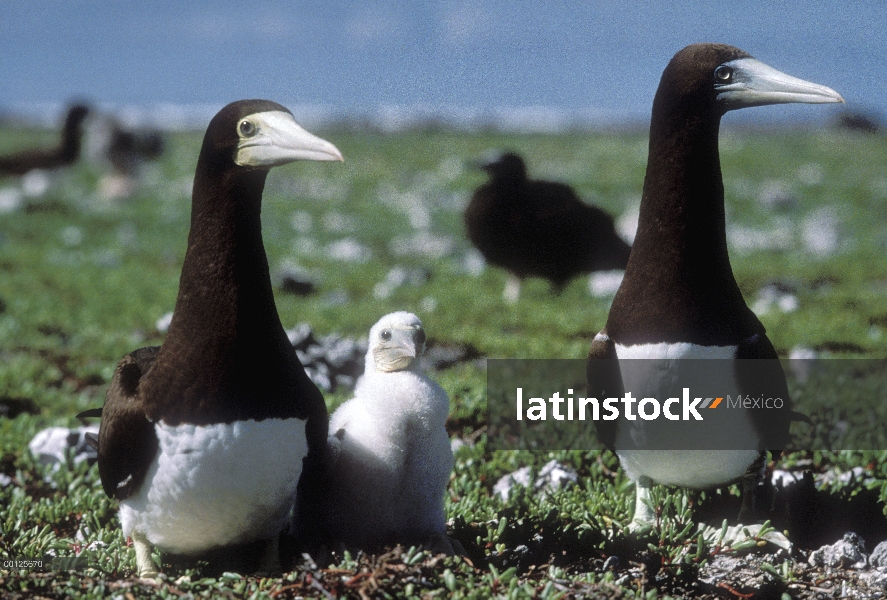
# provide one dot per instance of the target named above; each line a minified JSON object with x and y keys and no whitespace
{"x":92,"y":413}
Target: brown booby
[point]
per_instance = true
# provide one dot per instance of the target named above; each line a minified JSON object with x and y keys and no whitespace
{"x":533,"y":228}
{"x":63,"y":155}
{"x":202,"y":440}
{"x":679,"y":299}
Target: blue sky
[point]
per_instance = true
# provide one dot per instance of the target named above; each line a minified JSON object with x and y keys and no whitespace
{"x":603,"y":55}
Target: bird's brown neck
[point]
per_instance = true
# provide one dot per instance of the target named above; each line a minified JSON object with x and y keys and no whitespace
{"x":225,"y":264}
{"x":69,"y":150}
{"x":226,"y":350}
{"x":679,"y":282}
{"x":682,"y":208}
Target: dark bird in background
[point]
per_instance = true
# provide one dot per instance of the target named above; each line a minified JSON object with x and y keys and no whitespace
{"x":204,"y":439}
{"x":63,"y":155}
{"x":128,"y":148}
{"x":856,"y":120}
{"x":539,"y":228}
{"x":679,"y":298}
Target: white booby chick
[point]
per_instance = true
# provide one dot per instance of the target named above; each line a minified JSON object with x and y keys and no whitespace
{"x":390,"y":457}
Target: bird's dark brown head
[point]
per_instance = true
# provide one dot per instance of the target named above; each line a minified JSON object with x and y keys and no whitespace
{"x":76,"y":114}
{"x":691,"y":78}
{"x":711,"y":79}
{"x":222,"y":135}
{"x":508,"y":167}
{"x":260,"y":134}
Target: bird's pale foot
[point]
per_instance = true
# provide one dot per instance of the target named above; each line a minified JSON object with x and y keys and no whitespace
{"x":644,"y":516}
{"x":144,"y":562}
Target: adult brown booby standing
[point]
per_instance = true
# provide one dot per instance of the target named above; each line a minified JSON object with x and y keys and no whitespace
{"x":63,"y":155}
{"x":539,"y":228}
{"x":679,"y":299}
{"x":203,"y":439}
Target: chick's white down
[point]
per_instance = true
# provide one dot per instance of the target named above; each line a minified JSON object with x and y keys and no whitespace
{"x":390,"y":456}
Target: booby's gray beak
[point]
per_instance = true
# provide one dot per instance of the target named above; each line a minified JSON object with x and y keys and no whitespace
{"x":753,"y":83}
{"x":273,"y":138}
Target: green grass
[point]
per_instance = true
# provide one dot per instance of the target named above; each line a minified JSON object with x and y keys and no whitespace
{"x":83,"y":281}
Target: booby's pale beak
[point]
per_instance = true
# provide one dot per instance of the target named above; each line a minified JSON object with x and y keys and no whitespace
{"x":748,"y":82}
{"x":269,"y":139}
{"x":399,"y":352}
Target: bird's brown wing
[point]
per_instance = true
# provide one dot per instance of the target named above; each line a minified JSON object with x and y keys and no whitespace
{"x":604,"y":381}
{"x":127,"y":442}
{"x":765,"y":377}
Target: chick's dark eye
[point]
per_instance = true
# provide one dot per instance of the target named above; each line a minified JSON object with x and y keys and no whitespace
{"x":723,"y":74}
{"x":419,"y":336}
{"x":247,"y":128}
{"x":385,"y":335}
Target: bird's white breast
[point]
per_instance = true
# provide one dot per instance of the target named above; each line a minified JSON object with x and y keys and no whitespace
{"x":387,"y":403}
{"x":216,"y":485}
{"x":394,"y":460}
{"x":678,"y":350}
{"x":688,"y":468}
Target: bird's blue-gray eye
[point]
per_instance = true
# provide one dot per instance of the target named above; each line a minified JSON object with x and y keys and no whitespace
{"x":385,"y":335}
{"x":247,"y":128}
{"x":723,"y":74}
{"x":419,"y":336}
